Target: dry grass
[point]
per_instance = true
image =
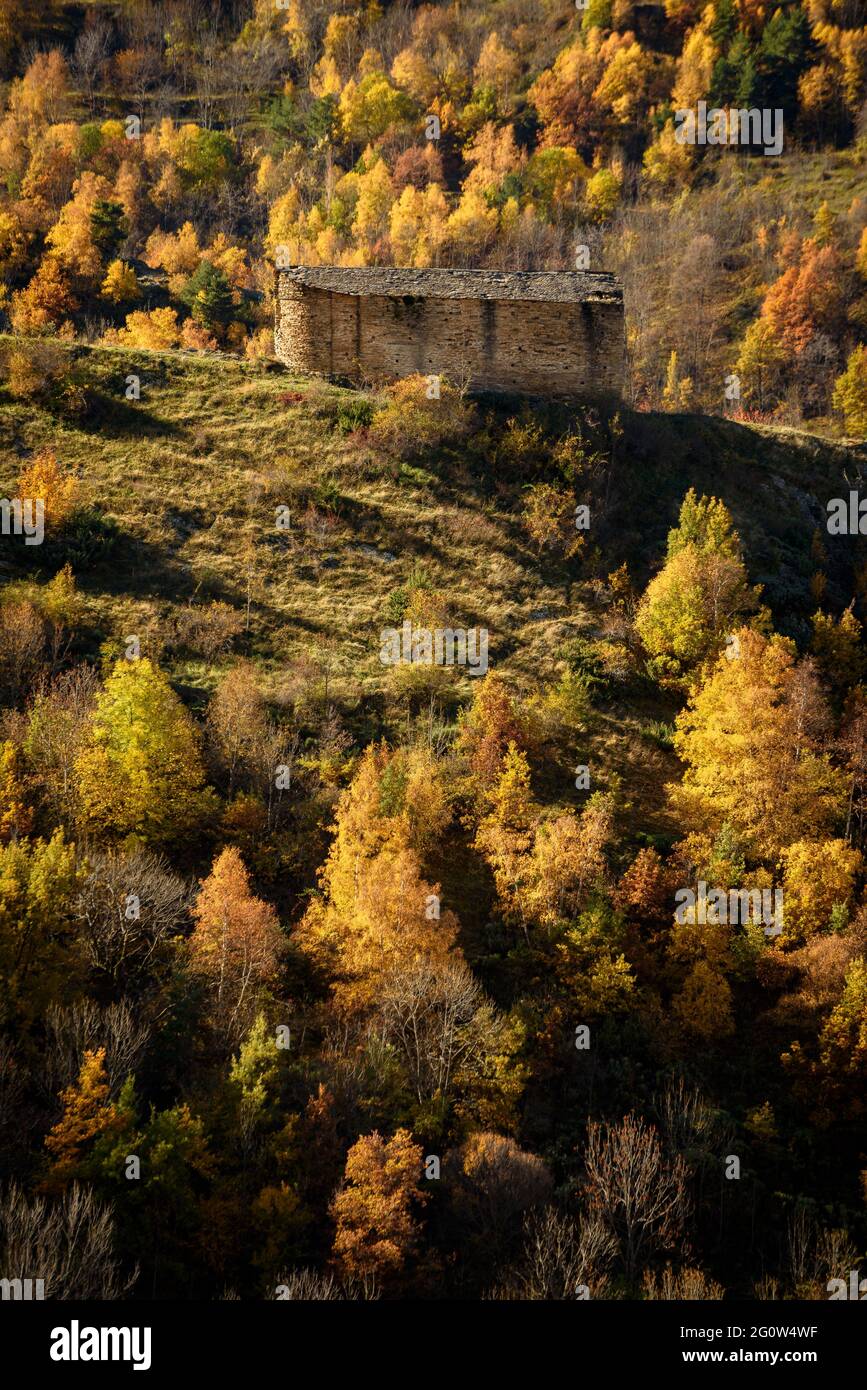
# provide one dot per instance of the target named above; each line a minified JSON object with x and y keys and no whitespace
{"x":192,"y":474}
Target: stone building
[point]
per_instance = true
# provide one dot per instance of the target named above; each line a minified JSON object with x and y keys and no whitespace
{"x":543,"y":333}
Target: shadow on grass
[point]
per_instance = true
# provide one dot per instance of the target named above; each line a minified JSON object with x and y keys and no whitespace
{"x":118,"y":418}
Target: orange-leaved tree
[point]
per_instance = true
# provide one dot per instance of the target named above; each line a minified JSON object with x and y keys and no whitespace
{"x":374,"y":1210}
{"x":237,"y":942}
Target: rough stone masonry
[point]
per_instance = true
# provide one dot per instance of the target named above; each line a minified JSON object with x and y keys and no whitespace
{"x":541,"y":333}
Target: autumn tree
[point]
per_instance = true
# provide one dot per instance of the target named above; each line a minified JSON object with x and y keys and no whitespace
{"x":850,"y":393}
{"x":506,"y":834}
{"x":46,"y":301}
{"x":88,"y":1113}
{"x":486,"y":730}
{"x":644,"y":891}
{"x":371,"y":107}
{"x":852,"y":750}
{"x":58,"y":723}
{"x":759,"y":362}
{"x":42,"y":94}
{"x":752,"y":738}
{"x":818,"y":876}
{"x":23,"y":638}
{"x":838,"y":649}
{"x":702,"y":591}
{"x":377,"y":912}
{"x":843,"y":1042}
{"x":45,"y":478}
{"x":247,"y":744}
{"x":40,"y":959}
{"x":140,"y":772}
{"x":454,"y":1044}
{"x":156,"y":330}
{"x":253,"y":1086}
{"x":120,"y":286}
{"x":16,"y":817}
{"x":808,"y":299}
{"x":493,"y":1184}
{"x":703,"y":1004}
{"x":237,"y":943}
{"x":90,"y":213}
{"x":830,"y":1076}
{"x":568,"y":861}
{"x":375,"y":1209}
{"x":588,"y":975}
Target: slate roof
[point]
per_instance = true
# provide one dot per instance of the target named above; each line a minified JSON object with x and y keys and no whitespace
{"x":557,"y":286}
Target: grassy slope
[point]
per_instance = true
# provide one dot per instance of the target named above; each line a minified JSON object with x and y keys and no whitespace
{"x":192,"y":474}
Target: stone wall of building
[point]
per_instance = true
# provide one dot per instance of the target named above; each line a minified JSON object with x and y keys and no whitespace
{"x":547,"y":347}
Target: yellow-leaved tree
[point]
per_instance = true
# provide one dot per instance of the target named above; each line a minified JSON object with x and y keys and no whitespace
{"x":377,"y":912}
{"x":545,"y":869}
{"x":120,"y":285}
{"x":850,"y":393}
{"x":45,"y":479}
{"x":40,"y":956}
{"x":16,"y":817}
{"x":819,"y":876}
{"x":752,"y":741}
{"x":702,"y":591}
{"x":140,"y":771}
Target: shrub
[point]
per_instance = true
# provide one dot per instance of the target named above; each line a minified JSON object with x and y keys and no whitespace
{"x":354,"y":415}
{"x":208,"y":632}
{"x":43,"y":477}
{"x":411,"y":422}
{"x":33,"y":370}
{"x":88,"y":538}
{"x":521,"y":446}
{"x":260,"y":345}
{"x":196,"y":337}
{"x":157,"y":330}
{"x":583,"y":659}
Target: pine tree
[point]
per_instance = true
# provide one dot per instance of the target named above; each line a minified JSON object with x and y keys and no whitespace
{"x":108,"y":227}
{"x":210,"y":297}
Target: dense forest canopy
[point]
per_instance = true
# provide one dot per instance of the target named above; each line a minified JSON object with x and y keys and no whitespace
{"x":156,"y":158}
{"x":326,"y":977}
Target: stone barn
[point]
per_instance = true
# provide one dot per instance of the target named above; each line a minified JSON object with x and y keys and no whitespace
{"x":541,"y":333}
